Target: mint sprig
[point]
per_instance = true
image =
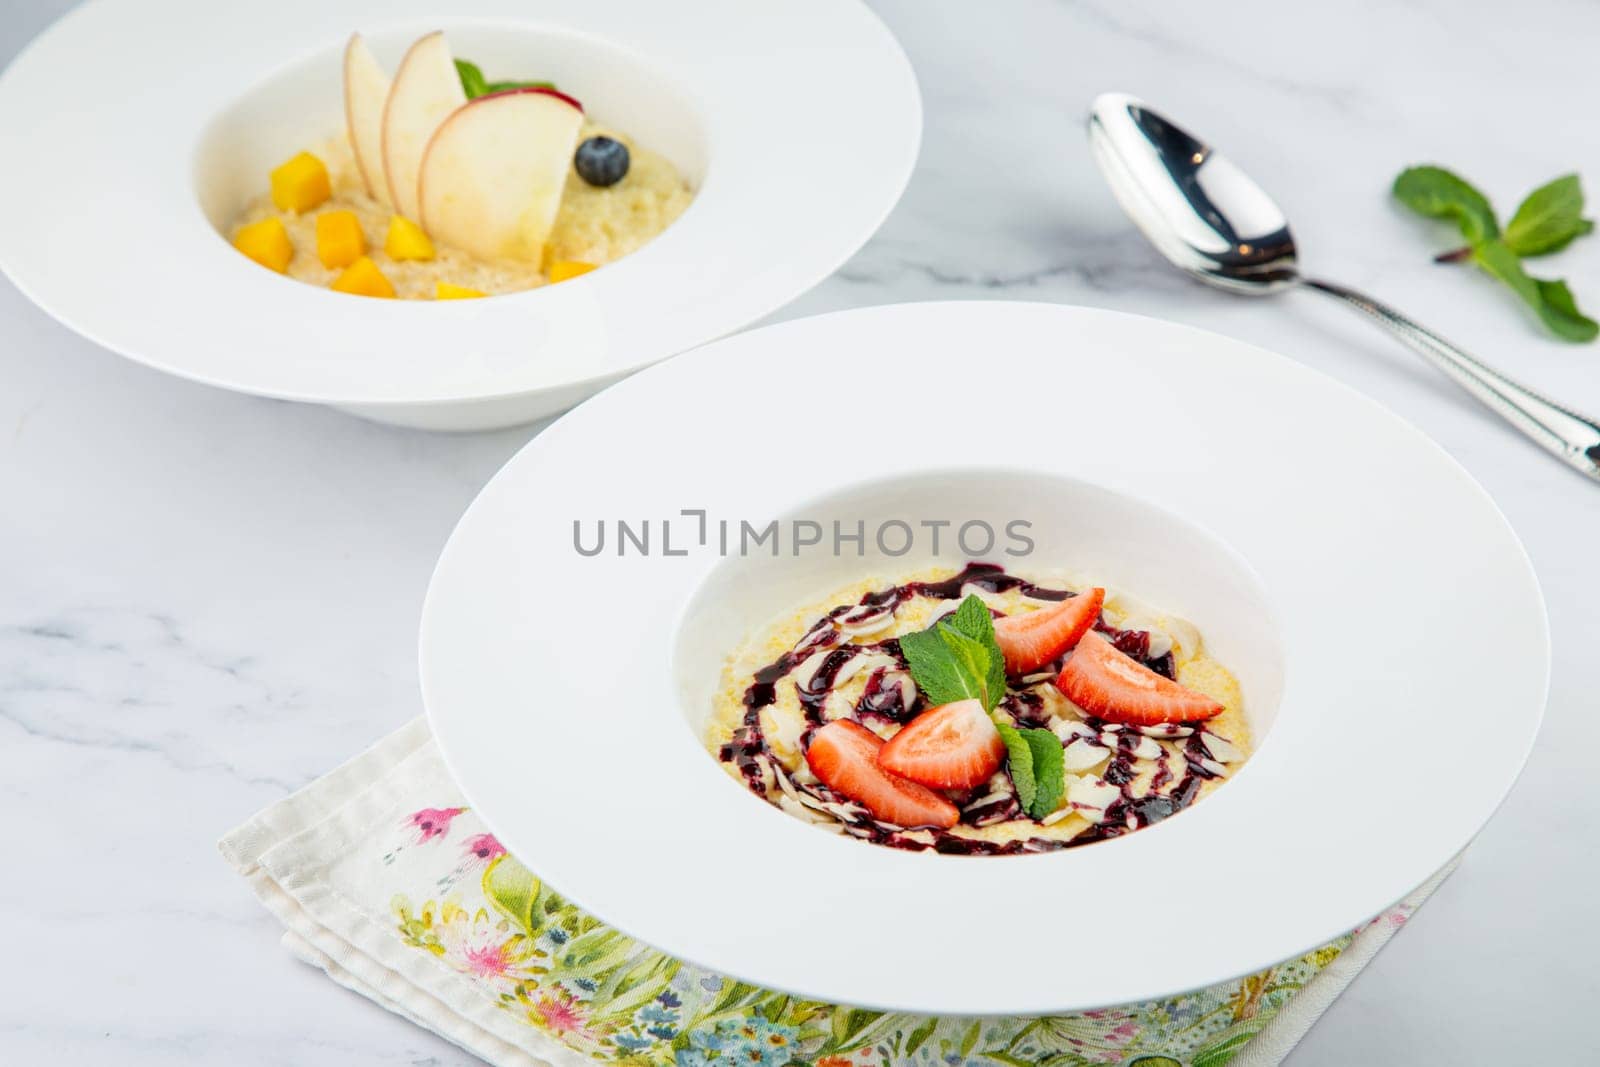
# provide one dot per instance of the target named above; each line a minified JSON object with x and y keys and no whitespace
{"x":1547,"y":220}
{"x":474,"y":84}
{"x":958,"y":658}
{"x":1037,"y":765}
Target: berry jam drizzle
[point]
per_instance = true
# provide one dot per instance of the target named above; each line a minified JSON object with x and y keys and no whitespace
{"x":828,"y":652}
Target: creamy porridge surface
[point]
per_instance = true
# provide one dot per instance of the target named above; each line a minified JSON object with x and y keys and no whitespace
{"x":594,"y":225}
{"x":1119,"y":777}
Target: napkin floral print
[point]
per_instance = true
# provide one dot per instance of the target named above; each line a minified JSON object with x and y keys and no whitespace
{"x":557,"y":969}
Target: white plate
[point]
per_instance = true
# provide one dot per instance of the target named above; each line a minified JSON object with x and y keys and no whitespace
{"x":147,"y":125}
{"x":1382,"y":617}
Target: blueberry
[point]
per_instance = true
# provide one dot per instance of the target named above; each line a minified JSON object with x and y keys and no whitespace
{"x":602,"y":161}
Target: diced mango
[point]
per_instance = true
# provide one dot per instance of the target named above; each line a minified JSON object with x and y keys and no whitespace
{"x":563,"y":269}
{"x":267,"y":242}
{"x":446,"y":291}
{"x":340,"y":241}
{"x":301,"y":184}
{"x":363,"y":278}
{"x":407,"y":240}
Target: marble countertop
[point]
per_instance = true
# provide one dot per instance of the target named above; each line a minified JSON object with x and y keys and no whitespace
{"x":207,"y":600}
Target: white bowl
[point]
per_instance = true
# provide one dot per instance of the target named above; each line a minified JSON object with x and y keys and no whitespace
{"x":1384,"y":622}
{"x":798,"y":124}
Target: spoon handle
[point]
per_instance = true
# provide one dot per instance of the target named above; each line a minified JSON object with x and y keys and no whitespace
{"x":1572,"y":438}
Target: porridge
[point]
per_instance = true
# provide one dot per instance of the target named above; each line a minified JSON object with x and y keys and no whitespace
{"x":447,"y":186}
{"x":979,"y":713}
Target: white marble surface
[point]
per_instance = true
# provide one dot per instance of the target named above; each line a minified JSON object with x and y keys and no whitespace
{"x":206,"y":600}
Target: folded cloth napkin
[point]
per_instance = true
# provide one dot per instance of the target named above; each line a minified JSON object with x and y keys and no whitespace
{"x":384,"y":879}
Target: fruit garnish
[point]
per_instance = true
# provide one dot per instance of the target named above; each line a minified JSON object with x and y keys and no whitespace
{"x":956,"y":658}
{"x":300,"y":184}
{"x":363,"y":278}
{"x":492,"y":178}
{"x":1033,"y":639}
{"x":1035,"y":761}
{"x":1111,"y":686}
{"x":425,"y":91}
{"x":953,"y":746}
{"x":406,"y":240}
{"x":267,"y":242}
{"x":844,"y":755}
{"x":446,"y":291}
{"x":366,"y":91}
{"x":602,"y":161}
{"x":566,"y":269}
{"x":340,"y":241}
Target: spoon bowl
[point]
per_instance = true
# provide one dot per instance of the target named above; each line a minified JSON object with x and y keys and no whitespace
{"x":1200,"y":210}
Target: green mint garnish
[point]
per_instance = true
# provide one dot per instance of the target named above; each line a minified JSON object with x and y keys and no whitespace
{"x":500,"y":87}
{"x":1549,"y":219}
{"x":1034,"y":759}
{"x":472,"y":80}
{"x":1550,"y":298}
{"x":1019,"y":761}
{"x":1438,"y":194}
{"x":957,"y":658}
{"x":474,"y":84}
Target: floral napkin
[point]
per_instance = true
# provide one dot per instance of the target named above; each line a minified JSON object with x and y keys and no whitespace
{"x":387,"y":881}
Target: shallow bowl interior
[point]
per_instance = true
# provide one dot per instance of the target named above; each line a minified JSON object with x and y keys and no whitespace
{"x":301,"y":105}
{"x":1010,"y":517}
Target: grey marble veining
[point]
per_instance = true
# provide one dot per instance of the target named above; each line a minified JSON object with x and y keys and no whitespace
{"x":207,"y":600}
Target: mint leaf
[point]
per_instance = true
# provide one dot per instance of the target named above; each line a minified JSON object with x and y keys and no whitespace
{"x":935,"y":668}
{"x":501,"y":87}
{"x":1549,"y":219}
{"x":474,"y":84}
{"x":1439,"y":194}
{"x":972,"y":618}
{"x":472,"y":81}
{"x":1550,"y":298}
{"x":1037,"y":767}
{"x":957,"y":658}
{"x":972,"y":660}
{"x":1049,"y":771}
{"x":1019,"y":763}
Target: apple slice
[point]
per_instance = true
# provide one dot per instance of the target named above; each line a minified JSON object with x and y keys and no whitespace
{"x":426,"y":90}
{"x":494,"y":171}
{"x":366,"y":92}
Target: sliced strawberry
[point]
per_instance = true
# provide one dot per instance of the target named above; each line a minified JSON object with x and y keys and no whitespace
{"x":1109,"y":685}
{"x":844,"y":754}
{"x":1031,"y":640}
{"x":953,"y":746}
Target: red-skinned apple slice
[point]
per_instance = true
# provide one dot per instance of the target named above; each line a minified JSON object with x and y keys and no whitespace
{"x":426,"y":90}
{"x":493,"y":173}
{"x":366,"y":93}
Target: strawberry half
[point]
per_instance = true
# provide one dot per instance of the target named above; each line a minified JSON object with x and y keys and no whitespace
{"x":953,"y":746}
{"x":844,"y":754}
{"x":1109,"y":685}
{"x":1036,"y":638}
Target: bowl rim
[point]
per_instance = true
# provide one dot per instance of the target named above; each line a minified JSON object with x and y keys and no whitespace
{"x":709,"y":274}
{"x":1331,"y":523}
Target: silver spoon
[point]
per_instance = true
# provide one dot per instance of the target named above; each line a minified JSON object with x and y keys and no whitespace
{"x":1212,"y":221}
